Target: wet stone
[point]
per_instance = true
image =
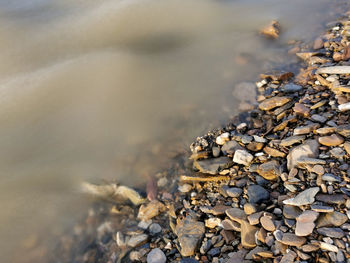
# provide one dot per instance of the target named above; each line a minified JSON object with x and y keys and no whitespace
{"x":273,"y":102}
{"x":331,"y":232}
{"x":213,"y":166}
{"x":331,"y":219}
{"x":156,"y":256}
{"x":269,"y":170}
{"x":243,"y":157}
{"x":257,"y":194}
{"x":306,"y":197}
{"x":331,"y":140}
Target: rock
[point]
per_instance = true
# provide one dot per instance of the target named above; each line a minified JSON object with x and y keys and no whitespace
{"x":273,"y":152}
{"x":331,"y":232}
{"x":212,"y":222}
{"x":238,"y":257}
{"x":269,"y":170}
{"x":331,"y":199}
{"x":220,"y":140}
{"x":301,"y":110}
{"x":334,"y":70}
{"x":254,"y":219}
{"x":137,"y":240}
{"x":344,"y":107}
{"x":310,"y":247}
{"x":290,"y":87}
{"x":188,"y":260}
{"x":291,"y":212}
{"x":347,"y":147}
{"x":190,"y":233}
{"x":228,"y":224}
{"x":155,"y":229}
{"x":230,"y":147}
{"x":213,"y":166}
{"x":216,"y":151}
{"x":272,"y":30}
{"x":318,"y":118}
{"x":267,"y":223}
{"x":249,"y":208}
{"x":273,"y":102}
{"x":331,"y":178}
{"x":306,"y":197}
{"x":306,"y":129}
{"x":185,"y":188}
{"x":218,"y":209}
{"x":243,"y":157}
{"x":290,"y":239}
{"x":156,"y":256}
{"x":305,"y":223}
{"x":331,"y":219}
{"x":332,"y":140}
{"x":308,"y":149}
{"x":318,"y":169}
{"x":344,"y":130}
{"x":292,"y":140}
{"x":150,"y":210}
{"x":288,"y":257}
{"x":322,"y":208}
{"x":248,"y":235}
{"x":236,"y":214}
{"x":328,"y":247}
{"x":326,"y":130}
{"x":255,"y":146}
{"x":318,"y":43}
{"x":234,"y":192}
{"x":257,"y":194}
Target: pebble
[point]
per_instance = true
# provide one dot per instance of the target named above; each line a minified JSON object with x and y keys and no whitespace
{"x":331,"y":232}
{"x":331,"y":140}
{"x":331,"y":198}
{"x":331,"y":219}
{"x":344,"y":130}
{"x":248,"y":234}
{"x":230,"y":147}
{"x":212,"y":222}
{"x":234,"y":192}
{"x":156,"y":256}
{"x":347,"y":147}
{"x":268,"y":223}
{"x":322,"y":208}
{"x":213,"y":166}
{"x":292,"y":140}
{"x":249,"y":208}
{"x":155,"y":229}
{"x":185,"y":188}
{"x":274,"y":152}
{"x":188,"y":260}
{"x":318,"y":118}
{"x":306,"y":197}
{"x":305,"y":129}
{"x":308,"y":149}
{"x":220,"y":140}
{"x":291,"y":212}
{"x":292,"y":240}
{"x":330,"y":178}
{"x":301,"y":109}
{"x":290,"y":87}
{"x":328,"y":247}
{"x":269,"y":170}
{"x":273,"y":102}
{"x":236,"y":214}
{"x":344,"y":107}
{"x":137,"y":240}
{"x":257,"y":194}
{"x":305,"y":223}
{"x":150,"y":210}
{"x":243,"y":157}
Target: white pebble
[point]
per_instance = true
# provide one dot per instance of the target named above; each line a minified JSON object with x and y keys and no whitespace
{"x":344,"y":107}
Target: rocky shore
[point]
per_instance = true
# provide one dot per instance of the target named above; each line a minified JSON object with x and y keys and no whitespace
{"x":273,"y":185}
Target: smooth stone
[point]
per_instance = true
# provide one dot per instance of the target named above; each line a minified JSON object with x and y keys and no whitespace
{"x":305,"y":223}
{"x":243,"y":157}
{"x":308,"y":149}
{"x":334,"y":70}
{"x":344,"y":130}
{"x":318,"y":118}
{"x":218,"y":209}
{"x":318,"y":169}
{"x":238,"y":257}
{"x":331,"y":199}
{"x":234,"y":192}
{"x":328,"y":247}
{"x":310,"y":247}
{"x":216,"y":151}
{"x":228,"y":224}
{"x":290,"y":239}
{"x":331,"y":140}
{"x":230,"y":147}
{"x":206,"y":245}
{"x":344,"y":107}
{"x":273,"y":152}
{"x":190,"y":233}
{"x":290,"y":87}
{"x":322,"y":208}
{"x":257,"y":194}
{"x":269,"y":170}
{"x":331,"y":232}
{"x":249,"y":208}
{"x":155,"y":228}
{"x":331,"y":219}
{"x":347,"y":147}
{"x":214,"y":165}
{"x":137,"y":240}
{"x":306,"y":197}
{"x":248,"y":235}
{"x":212,"y":222}
{"x":255,"y":146}
{"x":337,"y":152}
{"x":156,"y":256}
{"x":326,"y":130}
{"x":188,"y":260}
{"x":301,"y":109}
{"x":288,"y":257}
{"x":185,"y":188}
{"x":331,"y":178}
{"x":292,"y":140}
{"x":150,"y":210}
{"x":273,"y":102}
{"x":254,"y":219}
{"x":268,"y":223}
{"x":236,"y":214}
{"x":306,"y":129}
{"x":261,"y":181}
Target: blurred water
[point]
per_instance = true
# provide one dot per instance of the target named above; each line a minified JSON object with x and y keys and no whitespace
{"x":94,"y":90}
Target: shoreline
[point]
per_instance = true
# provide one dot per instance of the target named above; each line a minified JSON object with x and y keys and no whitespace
{"x":270,"y":186}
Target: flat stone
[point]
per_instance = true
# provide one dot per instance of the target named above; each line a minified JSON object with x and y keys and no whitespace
{"x":155,"y":228}
{"x":248,"y":235}
{"x":243,"y":157}
{"x":318,"y":43}
{"x":190,"y":233}
{"x":249,"y":208}
{"x":273,"y":102}
{"x":238,"y":257}
{"x":188,"y":260}
{"x":344,"y":106}
{"x":310,"y":247}
{"x":221,"y":139}
{"x":308,"y":149}
{"x":228,"y":224}
{"x":331,"y":232}
{"x":274,"y":152}
{"x":292,"y":140}
{"x":326,"y":130}
{"x":337,"y":152}
{"x":137,"y":240}
{"x":230,"y":147}
{"x":347,"y":147}
{"x":212,"y":222}
{"x":269,"y":170}
{"x":254,"y":219}
{"x":257,"y":194}
{"x":236,"y":214}
{"x":218,"y":209}
{"x":305,"y":223}
{"x":322,"y":208}
{"x":306,"y":129}
{"x":318,"y":169}
{"x":334,"y":70}
{"x":255,"y":146}
{"x":331,"y":199}
{"x":213,"y":166}
{"x":301,"y":109}
{"x":328,"y":247}
{"x":290,"y":239}
{"x":290,"y":87}
{"x":331,"y":219}
{"x":288,"y":257}
{"x":156,"y":256}
{"x":150,"y":210}
{"x":306,"y":197}
{"x":234,"y":192}
{"x":331,"y":178}
{"x":344,"y":130}
{"x":268,"y":223}
{"x":318,"y":118}
{"x":331,"y":140}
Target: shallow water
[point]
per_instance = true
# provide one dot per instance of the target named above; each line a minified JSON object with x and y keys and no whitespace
{"x":100,"y":90}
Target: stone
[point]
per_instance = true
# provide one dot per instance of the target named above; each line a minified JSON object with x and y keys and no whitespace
{"x":318,"y":118}
{"x":318,"y":169}
{"x":331,"y":140}
{"x":331,"y":178}
{"x":218,"y":209}
{"x":331,"y":219}
{"x":322,"y":208}
{"x":306,"y":197}
{"x":347,"y":147}
{"x":274,"y":152}
{"x":334,"y":70}
{"x":243,"y":157}
{"x":216,"y":151}
{"x":305,"y":223}
{"x":265,"y":254}
{"x":249,"y":208}
{"x":155,"y":229}
{"x":213,"y":166}
{"x":228,"y":224}
{"x":344,"y":107}
{"x":137,"y":240}
{"x":344,"y":130}
{"x":272,"y":30}
{"x":306,"y":129}
{"x":230,"y":147}
{"x":289,"y":141}
{"x":337,"y":199}
{"x":150,"y":210}
{"x":212,"y":222}
{"x":318,"y":43}
{"x":331,"y":232}
{"x":190,"y":233}
{"x":188,"y":260}
{"x":221,"y":139}
{"x":156,"y":256}
{"x":290,"y":239}
{"x":238,"y":257}
{"x":301,"y":109}
{"x":236,"y":214}
{"x":328,"y":247}
{"x":234,"y":192}
{"x":288,"y":257}
{"x":257,"y":194}
{"x":326,"y":130}
{"x":273,"y":102}
{"x":254,"y":219}
{"x":308,"y":149}
{"x":337,"y":152}
{"x":248,"y":235}
{"x":269,"y":170}
{"x":290,"y":87}
{"x":255,"y":146}
{"x":310,"y":247}
{"x":268,"y":223}
{"x":291,"y":212}
{"x":185,"y":188}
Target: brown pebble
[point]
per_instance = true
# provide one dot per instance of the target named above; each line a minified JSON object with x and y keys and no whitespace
{"x":332,"y":140}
